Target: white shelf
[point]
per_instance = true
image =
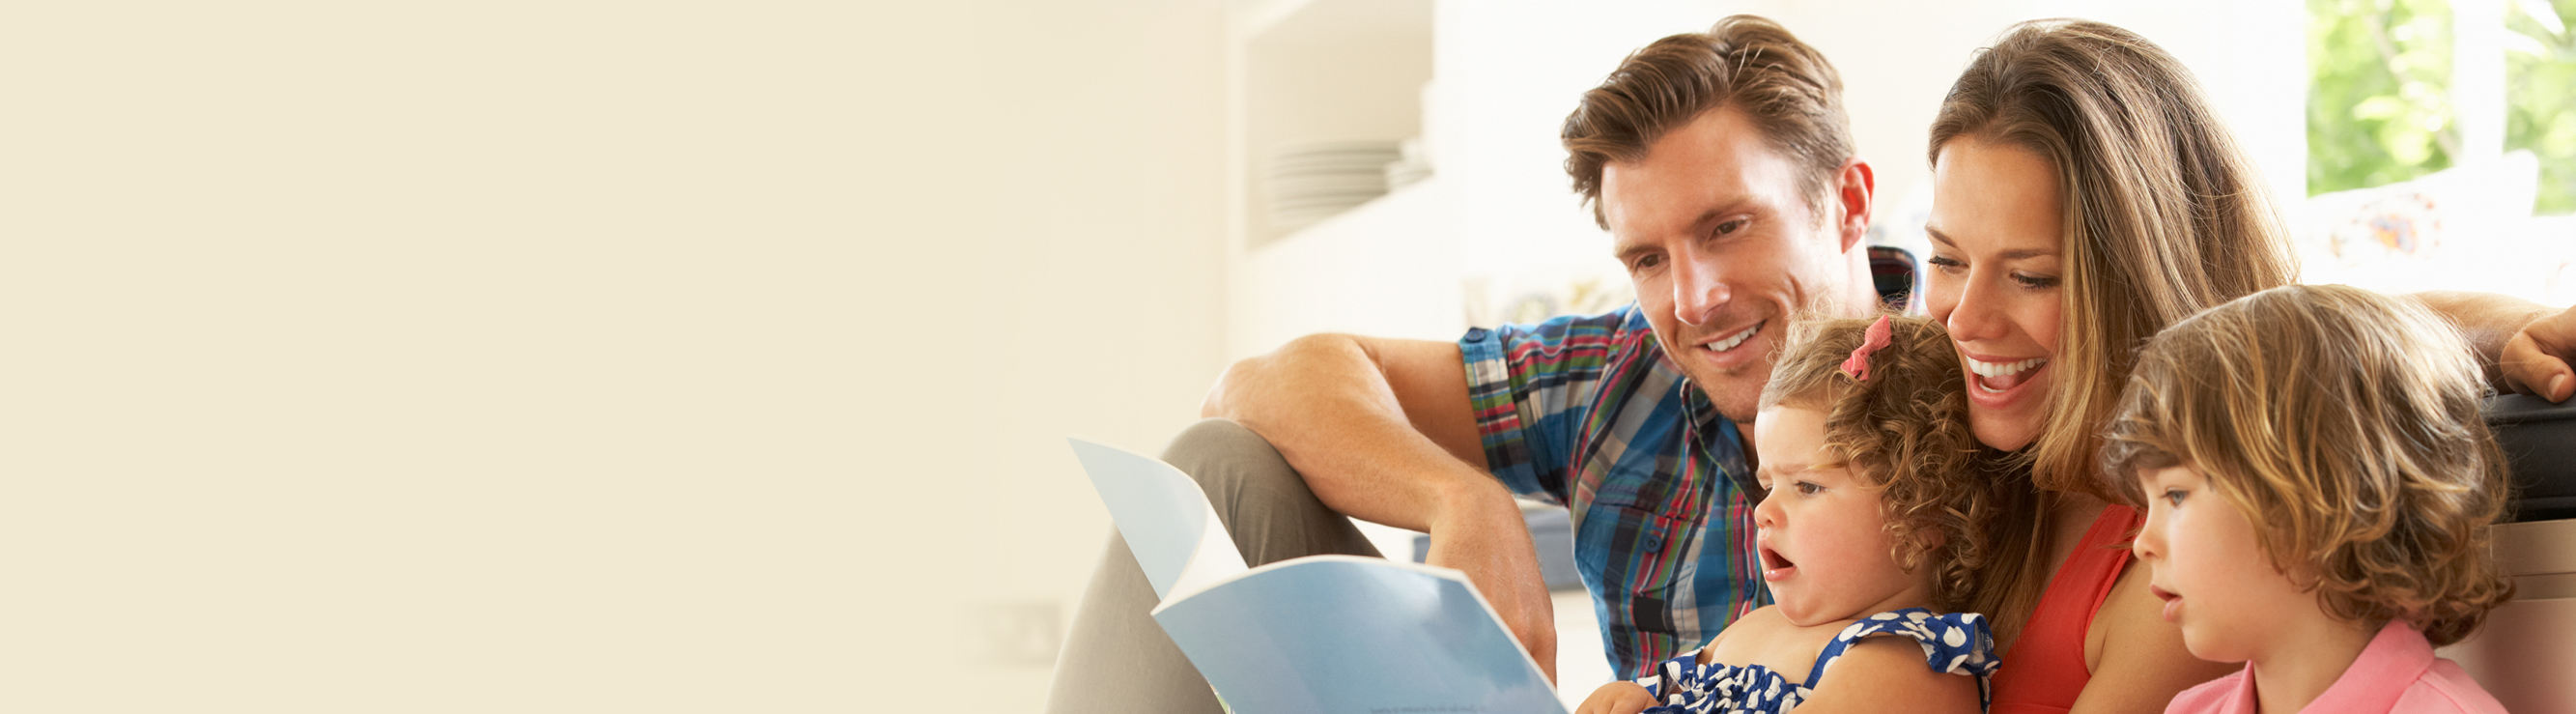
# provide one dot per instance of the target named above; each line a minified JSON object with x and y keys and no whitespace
{"x":1388,"y":268}
{"x":1320,"y":70}
{"x":1259,"y":16}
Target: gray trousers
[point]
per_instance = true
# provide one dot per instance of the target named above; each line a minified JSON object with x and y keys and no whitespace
{"x":1116,"y":658}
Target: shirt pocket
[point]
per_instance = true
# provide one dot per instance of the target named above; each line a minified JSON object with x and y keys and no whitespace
{"x":1630,"y":549}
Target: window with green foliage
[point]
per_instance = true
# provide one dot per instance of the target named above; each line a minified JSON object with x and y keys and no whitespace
{"x":2379,"y":110}
{"x":2540,"y":96}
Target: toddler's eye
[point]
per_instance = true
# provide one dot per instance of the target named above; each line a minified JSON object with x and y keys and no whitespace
{"x":2173,"y":496}
{"x":1806,"y":488}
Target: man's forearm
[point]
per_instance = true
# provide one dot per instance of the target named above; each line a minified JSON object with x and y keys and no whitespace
{"x":2485,"y":320}
{"x":1327,"y":404}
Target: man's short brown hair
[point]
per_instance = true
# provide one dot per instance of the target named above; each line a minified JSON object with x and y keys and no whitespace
{"x":1747,"y":62}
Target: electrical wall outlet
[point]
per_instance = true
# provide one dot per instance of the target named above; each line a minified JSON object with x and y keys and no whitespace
{"x":1021,"y":633}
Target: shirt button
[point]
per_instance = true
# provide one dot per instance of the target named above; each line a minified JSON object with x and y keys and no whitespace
{"x":1654,"y":542}
{"x":1476,"y":334}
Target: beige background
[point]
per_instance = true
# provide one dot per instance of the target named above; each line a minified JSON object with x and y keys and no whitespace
{"x":562,"y":356}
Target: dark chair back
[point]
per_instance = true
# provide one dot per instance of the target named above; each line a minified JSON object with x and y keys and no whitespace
{"x":2539,"y":439}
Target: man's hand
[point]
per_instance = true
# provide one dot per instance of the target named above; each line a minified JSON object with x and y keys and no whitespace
{"x":1617,"y":698}
{"x":2534,"y":360}
{"x":2522,"y":345}
{"x":1479,"y":530}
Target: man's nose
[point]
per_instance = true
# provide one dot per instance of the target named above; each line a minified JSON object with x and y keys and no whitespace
{"x":1699,"y":291}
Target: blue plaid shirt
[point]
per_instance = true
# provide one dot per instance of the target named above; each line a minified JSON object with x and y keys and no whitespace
{"x":1587,"y":412}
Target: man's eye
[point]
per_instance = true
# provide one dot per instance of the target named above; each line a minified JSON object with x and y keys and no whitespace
{"x":1730,"y":227}
{"x":1647,"y":261}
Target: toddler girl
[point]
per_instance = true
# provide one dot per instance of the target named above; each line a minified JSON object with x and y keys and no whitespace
{"x":1870,"y":528}
{"x":2318,"y":485}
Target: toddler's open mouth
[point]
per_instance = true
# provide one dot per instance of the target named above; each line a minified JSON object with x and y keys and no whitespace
{"x":1775,"y":567}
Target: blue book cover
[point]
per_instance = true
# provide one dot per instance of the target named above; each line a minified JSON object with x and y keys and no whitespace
{"x":1327,"y":633}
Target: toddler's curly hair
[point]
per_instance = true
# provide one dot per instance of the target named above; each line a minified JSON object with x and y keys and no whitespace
{"x":1906,"y":429}
{"x":2346,"y":426}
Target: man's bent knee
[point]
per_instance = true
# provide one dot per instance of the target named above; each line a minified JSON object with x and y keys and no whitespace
{"x":1226,"y":456}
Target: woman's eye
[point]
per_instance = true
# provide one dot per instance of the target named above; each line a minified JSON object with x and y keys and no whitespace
{"x":2035,"y":282}
{"x":1947,"y":264}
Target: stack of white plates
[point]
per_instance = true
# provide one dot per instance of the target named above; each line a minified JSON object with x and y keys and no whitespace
{"x":1412,"y":169}
{"x":1312,"y":181}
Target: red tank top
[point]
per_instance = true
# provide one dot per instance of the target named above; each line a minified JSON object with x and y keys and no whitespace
{"x":2046,"y":668}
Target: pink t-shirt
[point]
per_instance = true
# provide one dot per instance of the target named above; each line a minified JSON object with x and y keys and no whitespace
{"x":2396,"y":673}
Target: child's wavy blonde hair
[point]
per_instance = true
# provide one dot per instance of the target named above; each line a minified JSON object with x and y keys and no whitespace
{"x":2345,"y":425}
{"x":1906,"y":429}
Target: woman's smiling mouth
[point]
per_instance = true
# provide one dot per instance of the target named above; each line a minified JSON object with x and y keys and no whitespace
{"x":1997,"y":377}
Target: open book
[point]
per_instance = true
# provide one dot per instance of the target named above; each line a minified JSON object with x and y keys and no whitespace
{"x":1326,"y":633}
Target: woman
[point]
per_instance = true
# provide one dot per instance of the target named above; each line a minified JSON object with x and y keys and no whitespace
{"x":2086,"y":198}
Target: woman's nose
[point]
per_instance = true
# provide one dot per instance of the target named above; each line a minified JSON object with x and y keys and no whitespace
{"x":1975,"y":316}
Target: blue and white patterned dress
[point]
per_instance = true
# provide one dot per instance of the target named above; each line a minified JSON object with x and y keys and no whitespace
{"x":1958,"y":643}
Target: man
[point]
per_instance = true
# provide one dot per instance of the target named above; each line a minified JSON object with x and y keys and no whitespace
{"x":1722,"y":165}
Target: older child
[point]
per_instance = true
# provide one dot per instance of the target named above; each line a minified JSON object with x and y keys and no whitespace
{"x":1870,"y":528}
{"x":2318,"y":485}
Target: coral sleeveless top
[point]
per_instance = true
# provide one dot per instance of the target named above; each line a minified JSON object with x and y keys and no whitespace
{"x":2046,"y":668}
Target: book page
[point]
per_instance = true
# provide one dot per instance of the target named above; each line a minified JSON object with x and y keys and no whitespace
{"x":1338,"y":633}
{"x":1165,"y":517}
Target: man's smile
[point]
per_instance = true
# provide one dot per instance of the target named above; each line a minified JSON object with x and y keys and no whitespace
{"x":1730,"y":342}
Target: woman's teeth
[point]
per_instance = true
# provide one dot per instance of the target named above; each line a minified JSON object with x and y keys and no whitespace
{"x":2001,"y":369}
{"x":1731,"y":342}
{"x":2002,"y":376}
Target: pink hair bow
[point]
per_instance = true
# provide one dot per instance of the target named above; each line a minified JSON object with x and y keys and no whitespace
{"x":1876,"y":337}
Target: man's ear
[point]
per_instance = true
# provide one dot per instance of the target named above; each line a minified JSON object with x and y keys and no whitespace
{"x":1855,"y":189}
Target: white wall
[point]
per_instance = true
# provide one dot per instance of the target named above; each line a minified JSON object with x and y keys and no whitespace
{"x":565,"y":356}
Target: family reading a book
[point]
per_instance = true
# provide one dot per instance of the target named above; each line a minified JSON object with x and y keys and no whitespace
{"x":2102,"y":456}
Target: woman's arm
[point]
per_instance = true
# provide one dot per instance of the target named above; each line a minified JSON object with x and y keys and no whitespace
{"x":2143,"y":662}
{"x":1887,"y":674}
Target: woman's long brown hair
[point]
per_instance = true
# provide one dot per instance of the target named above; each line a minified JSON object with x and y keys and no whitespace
{"x":2164,"y":216}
